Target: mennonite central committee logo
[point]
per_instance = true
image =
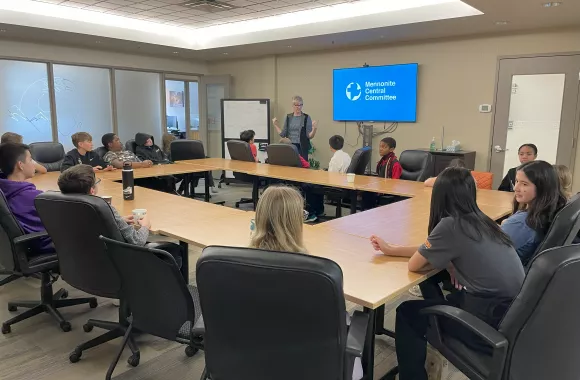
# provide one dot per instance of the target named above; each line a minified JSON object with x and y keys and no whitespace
{"x":353,"y":91}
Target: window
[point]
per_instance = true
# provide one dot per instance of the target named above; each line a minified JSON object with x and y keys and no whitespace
{"x":83,"y":102}
{"x":175,"y":105}
{"x":194,"y":106}
{"x":138,"y":97}
{"x":24,"y":100}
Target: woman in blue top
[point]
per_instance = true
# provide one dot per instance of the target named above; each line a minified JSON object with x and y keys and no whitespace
{"x":538,"y":198}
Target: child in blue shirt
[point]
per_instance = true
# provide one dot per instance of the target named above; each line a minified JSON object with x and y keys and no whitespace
{"x":538,"y":197}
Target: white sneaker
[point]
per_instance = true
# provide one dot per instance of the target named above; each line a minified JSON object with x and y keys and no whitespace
{"x":214,"y":190}
{"x":416,"y":291}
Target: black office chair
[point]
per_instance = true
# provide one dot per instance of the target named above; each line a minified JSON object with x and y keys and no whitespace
{"x":538,"y":337}
{"x":564,"y":227}
{"x":358,"y":165}
{"x":416,"y":164}
{"x":84,"y":262}
{"x":101,"y":151}
{"x":283,"y":155}
{"x":240,"y":151}
{"x":131,"y":145}
{"x":191,"y":150}
{"x":167,"y":307}
{"x":48,"y":154}
{"x":278,"y":316}
{"x":19,"y":259}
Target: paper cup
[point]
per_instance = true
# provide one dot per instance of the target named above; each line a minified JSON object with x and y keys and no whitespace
{"x":139,"y":213}
{"x":107,"y":198}
{"x":350,"y":177}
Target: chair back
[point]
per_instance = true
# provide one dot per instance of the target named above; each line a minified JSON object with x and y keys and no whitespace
{"x":277,"y":316}
{"x":360,"y":160}
{"x":10,"y":229}
{"x":240,"y":151}
{"x":283,"y":155}
{"x":541,"y":325}
{"x":101,"y":151}
{"x":416,"y":164}
{"x":483,"y":180}
{"x":161,"y":306}
{"x":49,"y":154}
{"x":131,"y":145}
{"x":75,"y":222}
{"x":186,"y":150}
{"x":564,"y":227}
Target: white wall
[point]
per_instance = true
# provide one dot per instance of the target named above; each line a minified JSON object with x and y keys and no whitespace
{"x":28,"y":50}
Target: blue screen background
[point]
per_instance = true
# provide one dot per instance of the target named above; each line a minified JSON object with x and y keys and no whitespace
{"x":403,"y":109}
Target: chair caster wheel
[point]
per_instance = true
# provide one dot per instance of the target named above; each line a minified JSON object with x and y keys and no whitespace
{"x":93,"y":303}
{"x":87,"y":328}
{"x":65,"y":326}
{"x":75,"y":356}
{"x":6,"y":329}
{"x":190,"y":351}
{"x":64,"y":294}
{"x":237,"y":205}
{"x":12,"y":308}
{"x":134,"y":359}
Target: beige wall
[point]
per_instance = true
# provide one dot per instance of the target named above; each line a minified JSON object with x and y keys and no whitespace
{"x":455,"y":77}
{"x":27,"y":50}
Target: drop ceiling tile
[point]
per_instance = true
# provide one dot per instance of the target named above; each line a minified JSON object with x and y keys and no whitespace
{"x":258,"y":7}
{"x":142,"y":6}
{"x":155,"y":3}
{"x":175,"y":8}
{"x":150,"y":13}
{"x":242,"y":11}
{"x":88,"y":2}
{"x":241,"y":3}
{"x":173,"y":2}
{"x":167,"y":18}
{"x":98,"y":9}
{"x":122,"y":2}
{"x":163,"y":11}
{"x":52,"y":1}
{"x":108,"y":5}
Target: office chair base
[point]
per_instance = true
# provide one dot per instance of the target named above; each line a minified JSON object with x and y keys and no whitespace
{"x":244,"y":201}
{"x":11,"y":277}
{"x":49,"y":303}
{"x":115,"y":330}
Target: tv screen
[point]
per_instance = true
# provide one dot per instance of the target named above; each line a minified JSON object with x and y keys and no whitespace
{"x":378,"y":93}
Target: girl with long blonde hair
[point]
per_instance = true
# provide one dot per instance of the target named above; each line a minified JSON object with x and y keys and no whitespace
{"x":279,"y":221}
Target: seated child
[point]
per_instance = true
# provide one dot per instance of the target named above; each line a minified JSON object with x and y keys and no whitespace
{"x":565,"y":178}
{"x":81,"y":179}
{"x":278,"y":227}
{"x":83,"y":154}
{"x":339,"y":163}
{"x":387,"y":167}
{"x":11,"y":137}
{"x":285,"y":140}
{"x":147,"y":150}
{"x":17,"y":167}
{"x":526,"y":153}
{"x":248,"y":136}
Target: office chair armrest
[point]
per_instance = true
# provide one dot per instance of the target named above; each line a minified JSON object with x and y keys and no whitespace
{"x":490,"y":335}
{"x":357,"y":332}
{"x":30,"y":237}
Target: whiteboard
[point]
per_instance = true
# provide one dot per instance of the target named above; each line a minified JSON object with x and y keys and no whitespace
{"x":241,"y":115}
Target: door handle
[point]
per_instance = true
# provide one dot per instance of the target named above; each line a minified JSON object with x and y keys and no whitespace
{"x":499,"y":149}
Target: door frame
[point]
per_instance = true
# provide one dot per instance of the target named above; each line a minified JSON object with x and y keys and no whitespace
{"x":495,"y":96}
{"x":204,"y":81}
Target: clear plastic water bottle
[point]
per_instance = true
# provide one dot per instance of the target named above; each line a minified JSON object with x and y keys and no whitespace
{"x":433,"y":146}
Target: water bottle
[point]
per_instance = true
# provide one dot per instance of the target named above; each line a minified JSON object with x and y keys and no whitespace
{"x":433,"y":146}
{"x":128,"y":182}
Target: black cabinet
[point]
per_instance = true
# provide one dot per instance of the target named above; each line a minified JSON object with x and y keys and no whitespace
{"x":442,"y":159}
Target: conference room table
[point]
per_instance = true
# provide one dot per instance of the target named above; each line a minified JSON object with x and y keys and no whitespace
{"x":371,"y":279}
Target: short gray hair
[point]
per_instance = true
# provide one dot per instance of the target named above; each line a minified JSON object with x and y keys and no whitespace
{"x":297,"y":98}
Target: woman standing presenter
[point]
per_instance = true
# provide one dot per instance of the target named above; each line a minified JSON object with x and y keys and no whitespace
{"x":298,"y":127}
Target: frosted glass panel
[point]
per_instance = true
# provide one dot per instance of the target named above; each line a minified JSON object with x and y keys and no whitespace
{"x":138,"y":104}
{"x":24,"y":100}
{"x":175,"y":105}
{"x":83,"y":102}
{"x":194,"y":105}
{"x":534,"y":116}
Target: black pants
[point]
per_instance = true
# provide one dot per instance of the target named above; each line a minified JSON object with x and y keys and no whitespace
{"x":369,"y":200}
{"x":171,"y":248}
{"x":302,"y":151}
{"x":314,"y":199}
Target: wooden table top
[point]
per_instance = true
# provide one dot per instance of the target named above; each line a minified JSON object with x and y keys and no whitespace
{"x":370,"y":279}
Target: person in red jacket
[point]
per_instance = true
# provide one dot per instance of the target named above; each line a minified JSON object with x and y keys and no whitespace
{"x":387,"y":167}
{"x":305,"y":164}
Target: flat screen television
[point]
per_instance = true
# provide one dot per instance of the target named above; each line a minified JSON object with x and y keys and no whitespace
{"x":376,"y":93}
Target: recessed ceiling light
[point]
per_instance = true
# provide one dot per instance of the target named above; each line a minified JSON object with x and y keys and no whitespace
{"x":2,"y":30}
{"x":289,"y":46}
{"x":552,"y":4}
{"x":225,"y":53}
{"x":97,"y":42}
{"x":501,"y":22}
{"x":175,"y":52}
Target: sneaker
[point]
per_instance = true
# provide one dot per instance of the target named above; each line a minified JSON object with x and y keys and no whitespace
{"x":214,"y":190}
{"x":311,"y":218}
{"x":416,"y":291}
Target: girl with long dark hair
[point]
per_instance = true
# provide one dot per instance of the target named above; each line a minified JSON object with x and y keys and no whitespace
{"x":479,"y":256}
{"x":537,"y":199}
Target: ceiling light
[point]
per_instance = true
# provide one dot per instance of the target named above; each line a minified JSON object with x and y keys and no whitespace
{"x":97,"y":42}
{"x":552,"y":4}
{"x":501,"y":22}
{"x":225,"y":53}
{"x":2,"y":30}
{"x":175,"y":52}
{"x":289,"y":46}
